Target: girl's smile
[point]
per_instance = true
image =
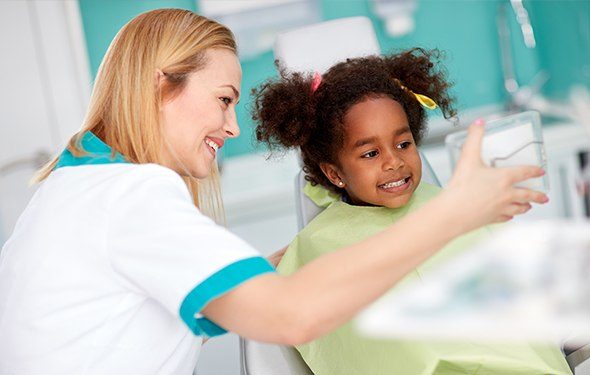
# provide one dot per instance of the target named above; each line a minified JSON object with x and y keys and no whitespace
{"x":396,"y":185}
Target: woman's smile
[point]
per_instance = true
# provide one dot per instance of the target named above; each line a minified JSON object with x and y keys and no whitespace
{"x":213,"y":144}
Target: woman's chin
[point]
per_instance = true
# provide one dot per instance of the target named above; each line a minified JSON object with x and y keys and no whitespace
{"x":198,"y":172}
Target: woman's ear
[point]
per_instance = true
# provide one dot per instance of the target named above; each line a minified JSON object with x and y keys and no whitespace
{"x":160,"y":81}
{"x":332,"y":173}
{"x":159,"y":78}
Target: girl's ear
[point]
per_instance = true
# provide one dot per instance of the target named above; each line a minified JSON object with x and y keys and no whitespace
{"x":332,"y":173}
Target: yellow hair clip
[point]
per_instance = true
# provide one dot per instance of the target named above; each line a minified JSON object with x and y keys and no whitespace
{"x":424,"y":100}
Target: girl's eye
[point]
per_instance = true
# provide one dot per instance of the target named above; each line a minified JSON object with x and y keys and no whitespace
{"x":226,"y":100}
{"x":370,"y":154}
{"x":404,"y":144}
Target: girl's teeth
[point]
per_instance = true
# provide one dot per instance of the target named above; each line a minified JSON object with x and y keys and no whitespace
{"x":394,"y":184}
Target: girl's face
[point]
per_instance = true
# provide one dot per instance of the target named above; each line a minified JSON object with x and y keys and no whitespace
{"x":198,"y":120}
{"x":379,"y":163}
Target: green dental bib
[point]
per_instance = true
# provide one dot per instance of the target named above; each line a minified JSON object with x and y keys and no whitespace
{"x":346,"y":352}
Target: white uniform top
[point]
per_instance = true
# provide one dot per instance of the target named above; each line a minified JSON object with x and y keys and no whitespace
{"x":108,"y":268}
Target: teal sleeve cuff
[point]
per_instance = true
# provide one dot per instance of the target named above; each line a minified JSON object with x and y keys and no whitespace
{"x":214,"y":286}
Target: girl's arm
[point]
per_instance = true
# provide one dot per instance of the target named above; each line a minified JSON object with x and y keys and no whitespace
{"x":332,"y":289}
{"x":275,"y":258}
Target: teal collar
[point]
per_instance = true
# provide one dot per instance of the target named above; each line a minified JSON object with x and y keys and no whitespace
{"x":97,"y":152}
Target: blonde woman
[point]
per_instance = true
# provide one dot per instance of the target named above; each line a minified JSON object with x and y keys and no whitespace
{"x":114,"y":268}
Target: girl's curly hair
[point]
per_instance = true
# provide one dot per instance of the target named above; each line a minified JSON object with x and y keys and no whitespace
{"x":288,"y":114}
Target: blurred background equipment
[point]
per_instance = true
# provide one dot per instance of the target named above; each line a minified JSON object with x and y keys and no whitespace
{"x":529,"y":282}
{"x":397,"y":15}
{"x":256,"y":23}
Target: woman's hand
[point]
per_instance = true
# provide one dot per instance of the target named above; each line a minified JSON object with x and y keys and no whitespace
{"x":487,"y":195}
{"x":275,"y":258}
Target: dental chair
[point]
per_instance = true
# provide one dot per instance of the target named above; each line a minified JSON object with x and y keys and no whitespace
{"x":308,"y":49}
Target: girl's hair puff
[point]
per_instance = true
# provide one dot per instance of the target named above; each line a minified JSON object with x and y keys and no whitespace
{"x":289,"y":114}
{"x":286,"y":108}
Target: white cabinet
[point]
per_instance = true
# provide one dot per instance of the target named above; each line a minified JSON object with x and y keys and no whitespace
{"x":45,"y":87}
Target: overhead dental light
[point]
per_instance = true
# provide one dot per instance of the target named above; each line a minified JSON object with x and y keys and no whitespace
{"x":398,"y":15}
{"x":256,"y":23}
{"x":522,"y":17}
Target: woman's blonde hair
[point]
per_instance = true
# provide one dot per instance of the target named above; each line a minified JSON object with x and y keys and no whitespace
{"x":125,"y":101}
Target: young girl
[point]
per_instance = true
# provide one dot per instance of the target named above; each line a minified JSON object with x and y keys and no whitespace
{"x":358,"y":127}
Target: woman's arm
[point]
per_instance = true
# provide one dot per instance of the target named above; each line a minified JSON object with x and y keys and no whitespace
{"x":329,"y":291}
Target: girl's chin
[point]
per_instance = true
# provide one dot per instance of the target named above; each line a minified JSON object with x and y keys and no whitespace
{"x":398,"y":202}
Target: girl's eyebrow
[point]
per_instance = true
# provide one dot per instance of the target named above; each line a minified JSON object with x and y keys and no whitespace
{"x":364,"y":141}
{"x":401,"y":131}
{"x":369,"y":140}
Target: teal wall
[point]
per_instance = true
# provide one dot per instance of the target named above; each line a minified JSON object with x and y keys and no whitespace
{"x":464,"y":29}
{"x":564,"y":43}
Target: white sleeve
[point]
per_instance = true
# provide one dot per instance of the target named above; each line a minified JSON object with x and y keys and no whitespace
{"x":160,"y":243}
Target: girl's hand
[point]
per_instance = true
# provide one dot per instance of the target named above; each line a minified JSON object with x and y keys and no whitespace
{"x":486,"y":195}
{"x":275,"y":258}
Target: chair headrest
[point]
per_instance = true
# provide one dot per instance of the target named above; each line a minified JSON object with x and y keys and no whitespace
{"x":317,"y":47}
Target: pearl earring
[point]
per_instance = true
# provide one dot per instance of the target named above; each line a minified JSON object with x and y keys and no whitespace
{"x":340,"y":183}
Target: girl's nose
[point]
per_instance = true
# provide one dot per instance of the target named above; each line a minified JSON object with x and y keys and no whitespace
{"x":392,"y":161}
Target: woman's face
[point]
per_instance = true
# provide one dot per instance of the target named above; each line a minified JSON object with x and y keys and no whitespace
{"x":379,"y":163}
{"x":197,"y":121}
